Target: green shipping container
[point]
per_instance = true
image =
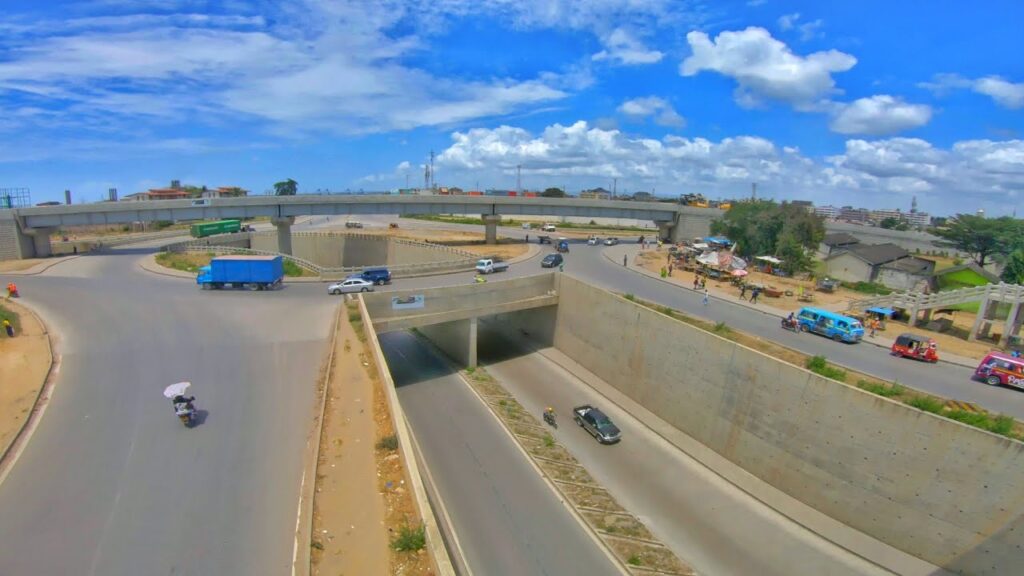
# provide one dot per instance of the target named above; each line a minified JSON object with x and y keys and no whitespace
{"x":203,"y":229}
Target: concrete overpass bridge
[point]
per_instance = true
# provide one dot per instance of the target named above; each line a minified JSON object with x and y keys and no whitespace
{"x":25,"y":232}
{"x":449,"y":315}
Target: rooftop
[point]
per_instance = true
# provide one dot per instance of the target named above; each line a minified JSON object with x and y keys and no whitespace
{"x":875,"y":254}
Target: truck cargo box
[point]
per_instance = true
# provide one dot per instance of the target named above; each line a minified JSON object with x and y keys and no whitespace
{"x":258,"y":272}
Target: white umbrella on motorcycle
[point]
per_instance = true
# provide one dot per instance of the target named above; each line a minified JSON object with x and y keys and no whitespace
{"x":178,"y":389}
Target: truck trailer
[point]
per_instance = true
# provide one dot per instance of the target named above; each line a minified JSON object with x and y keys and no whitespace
{"x":204,"y":229}
{"x":253,"y":272}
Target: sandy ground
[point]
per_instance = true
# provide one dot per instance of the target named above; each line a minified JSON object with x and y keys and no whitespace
{"x":653,"y":260}
{"x":349,"y":534}
{"x":361,"y":499}
{"x":19,"y":265}
{"x":24,"y":362}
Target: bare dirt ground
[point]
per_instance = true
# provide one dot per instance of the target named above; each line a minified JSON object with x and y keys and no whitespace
{"x":19,"y":265}
{"x":349,"y":536}
{"x":24,"y":362}
{"x":361,"y":501}
{"x":954,"y":340}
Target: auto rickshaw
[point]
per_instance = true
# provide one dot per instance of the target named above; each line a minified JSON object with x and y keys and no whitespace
{"x":918,"y":347}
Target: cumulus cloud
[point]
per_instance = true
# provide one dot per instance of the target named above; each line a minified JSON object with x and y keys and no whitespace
{"x":652,"y":106}
{"x":969,"y":174}
{"x":1005,"y":93}
{"x":787,"y":21}
{"x":622,"y":48}
{"x":765,"y":68}
{"x":878,"y":115}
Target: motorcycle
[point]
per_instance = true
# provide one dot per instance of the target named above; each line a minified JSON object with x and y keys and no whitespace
{"x":186,"y":413}
{"x":549,"y":417}
{"x":12,"y":291}
{"x":793,"y":325}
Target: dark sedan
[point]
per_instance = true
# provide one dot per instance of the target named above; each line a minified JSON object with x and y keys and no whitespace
{"x":551,"y":260}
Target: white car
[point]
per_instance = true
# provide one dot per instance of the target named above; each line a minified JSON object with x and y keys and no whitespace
{"x":350,"y":286}
{"x":593,"y":241}
{"x":548,"y":228}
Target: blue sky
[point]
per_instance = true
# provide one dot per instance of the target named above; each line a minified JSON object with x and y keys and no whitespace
{"x":867,"y":103}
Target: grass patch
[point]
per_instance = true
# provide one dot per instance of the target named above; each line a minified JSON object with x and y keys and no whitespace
{"x":548,"y":441}
{"x":630,"y":297}
{"x":881,"y":389}
{"x":388,"y":443}
{"x":820,"y":366}
{"x":11,"y":316}
{"x":722,"y":329}
{"x":867,"y":288}
{"x":926,"y":403}
{"x":999,"y":424}
{"x":667,"y":311}
{"x":293,"y":269}
{"x":634,"y":560}
{"x":185,"y":261}
{"x":409,"y":539}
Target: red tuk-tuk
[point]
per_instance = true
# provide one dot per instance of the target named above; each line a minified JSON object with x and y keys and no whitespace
{"x":917,"y":347}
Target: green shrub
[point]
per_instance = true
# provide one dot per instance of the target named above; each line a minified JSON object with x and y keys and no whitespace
{"x":722,"y":329}
{"x":409,"y":539}
{"x":634,"y":560}
{"x":819,"y":365}
{"x":926,"y":403}
{"x":999,"y":424}
{"x":291,"y":268}
{"x":354,"y":316}
{"x":666,"y":310}
{"x":881,"y":389}
{"x":388,"y":443}
{"x":867,"y":288}
{"x":10,"y":316}
{"x":630,"y":297}
{"x":548,"y":441}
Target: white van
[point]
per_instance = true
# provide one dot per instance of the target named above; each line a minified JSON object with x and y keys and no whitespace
{"x":548,"y":228}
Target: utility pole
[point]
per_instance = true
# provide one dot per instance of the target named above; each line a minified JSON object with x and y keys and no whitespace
{"x":753,"y":191}
{"x":519,"y":178}
{"x":433,"y":181}
{"x":615,"y":186}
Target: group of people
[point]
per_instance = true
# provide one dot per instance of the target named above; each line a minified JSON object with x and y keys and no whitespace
{"x":754,"y":293}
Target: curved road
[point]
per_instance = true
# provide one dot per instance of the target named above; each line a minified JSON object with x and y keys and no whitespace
{"x":111,"y":483}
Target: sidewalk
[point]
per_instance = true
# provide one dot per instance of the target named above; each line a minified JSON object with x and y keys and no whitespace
{"x":42,"y":266}
{"x":631,"y":251}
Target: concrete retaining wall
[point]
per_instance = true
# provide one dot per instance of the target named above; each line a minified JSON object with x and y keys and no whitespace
{"x":450,"y":337}
{"x":9,"y":249}
{"x":355,"y":250}
{"x":942,"y":491}
{"x":536,"y":323}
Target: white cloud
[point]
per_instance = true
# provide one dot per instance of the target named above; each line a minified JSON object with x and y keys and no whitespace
{"x":811,"y":30}
{"x":1005,"y":93}
{"x":878,"y":115}
{"x":787,"y":21}
{"x":662,"y":111}
{"x":622,"y":48}
{"x":766,"y":69}
{"x":879,"y":173}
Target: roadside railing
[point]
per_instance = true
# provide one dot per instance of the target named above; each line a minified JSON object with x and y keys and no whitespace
{"x":1001,"y":292}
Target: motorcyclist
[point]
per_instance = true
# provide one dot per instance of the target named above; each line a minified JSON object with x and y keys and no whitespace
{"x":183,"y":403}
{"x":549,"y":415}
{"x":790,"y":320}
{"x":12,"y":289}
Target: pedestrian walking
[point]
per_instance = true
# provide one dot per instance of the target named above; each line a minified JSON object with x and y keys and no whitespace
{"x":8,"y":328}
{"x":696,"y":281}
{"x":703,"y":282}
{"x":874,"y":327}
{"x":705,"y":301}
{"x":670,"y":269}
{"x":624,"y":259}
{"x":527,"y":238}
{"x":743,"y":291}
{"x":668,"y":258}
{"x":754,"y":295}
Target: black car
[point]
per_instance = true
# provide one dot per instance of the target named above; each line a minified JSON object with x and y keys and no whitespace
{"x":597,"y":423}
{"x":551,"y":260}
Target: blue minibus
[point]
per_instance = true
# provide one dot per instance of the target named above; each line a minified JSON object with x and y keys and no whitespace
{"x":830,"y":325}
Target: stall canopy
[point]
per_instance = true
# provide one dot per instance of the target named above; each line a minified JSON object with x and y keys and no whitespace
{"x":769,"y":259}
{"x":720,"y":240}
{"x":887,"y":312}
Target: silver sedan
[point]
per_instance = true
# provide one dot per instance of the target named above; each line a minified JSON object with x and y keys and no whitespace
{"x":350,"y":285}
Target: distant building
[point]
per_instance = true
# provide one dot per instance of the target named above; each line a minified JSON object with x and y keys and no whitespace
{"x":830,"y":212}
{"x":179,"y":192}
{"x":644,"y":197}
{"x":596,"y":194}
{"x":887,"y":264}
{"x":805,"y":204}
{"x":851,"y":214}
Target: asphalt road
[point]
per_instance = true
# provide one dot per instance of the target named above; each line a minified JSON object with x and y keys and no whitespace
{"x":112,"y":483}
{"x":507,"y":519}
{"x":713,"y":525}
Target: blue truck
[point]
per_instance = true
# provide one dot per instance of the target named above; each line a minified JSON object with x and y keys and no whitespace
{"x":253,"y":272}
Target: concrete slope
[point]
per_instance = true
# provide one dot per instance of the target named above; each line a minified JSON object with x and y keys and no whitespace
{"x":507,"y":520}
{"x":111,"y":482}
{"x":707,"y":521}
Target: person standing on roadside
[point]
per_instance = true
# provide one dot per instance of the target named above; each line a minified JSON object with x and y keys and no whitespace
{"x":624,"y":260}
{"x":705,"y":301}
{"x":743,"y":291}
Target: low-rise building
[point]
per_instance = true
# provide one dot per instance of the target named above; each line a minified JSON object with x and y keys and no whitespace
{"x":596,"y":194}
{"x":836,"y":242}
{"x":907,"y":274}
{"x":863,"y":262}
{"x":178,"y":192}
{"x":829,"y":212}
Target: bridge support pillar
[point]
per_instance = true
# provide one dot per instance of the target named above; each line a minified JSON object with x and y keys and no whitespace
{"x":982,"y":313}
{"x":284,"y":233}
{"x":1013,"y":322}
{"x":472,"y":342}
{"x":490,"y":228}
{"x":40,"y":242}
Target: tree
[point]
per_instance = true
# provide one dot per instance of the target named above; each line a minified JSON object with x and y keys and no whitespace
{"x":763,"y":227}
{"x":286,"y":188}
{"x":553,"y":193}
{"x":894,"y":223}
{"x":1013,"y":273}
{"x":981,"y":237}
